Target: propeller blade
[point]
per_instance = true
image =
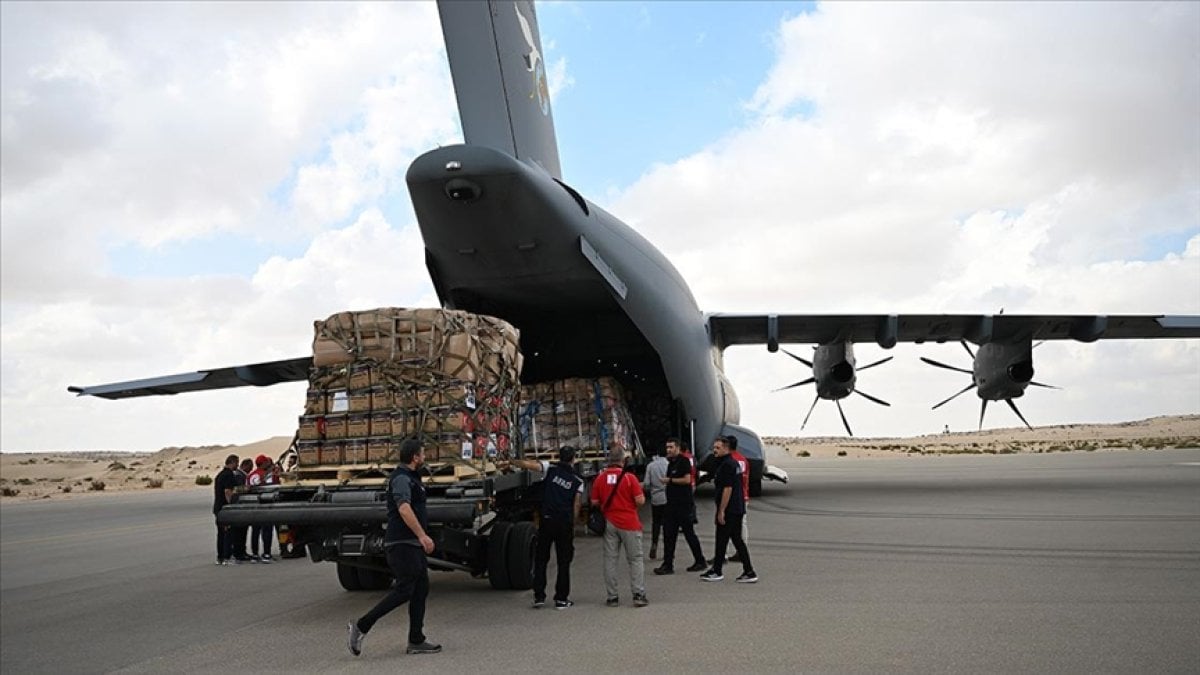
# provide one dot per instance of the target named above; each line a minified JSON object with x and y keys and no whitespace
{"x":964,"y":344}
{"x":804,"y":361}
{"x":798,"y":384}
{"x":982,"y":410}
{"x":872,"y":398}
{"x":1046,"y":386}
{"x":844,"y":422}
{"x":969,"y":387}
{"x":876,"y":363}
{"x":810,"y":409}
{"x":939,"y":364}
{"x":1012,"y":405}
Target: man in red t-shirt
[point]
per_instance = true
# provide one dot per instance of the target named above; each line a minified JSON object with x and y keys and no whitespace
{"x":261,"y":475}
{"x":624,"y":529}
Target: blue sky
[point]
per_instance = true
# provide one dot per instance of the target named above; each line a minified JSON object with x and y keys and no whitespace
{"x":654,"y":81}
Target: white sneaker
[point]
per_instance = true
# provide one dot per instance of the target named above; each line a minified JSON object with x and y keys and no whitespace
{"x":355,"y":639}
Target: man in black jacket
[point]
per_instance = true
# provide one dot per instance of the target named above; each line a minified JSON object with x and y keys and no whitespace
{"x":562,"y":496}
{"x":223,"y":487}
{"x":407,"y":545}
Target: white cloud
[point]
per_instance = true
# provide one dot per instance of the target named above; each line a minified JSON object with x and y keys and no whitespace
{"x":953,"y":158}
{"x":147,"y":124}
{"x":957,"y":158}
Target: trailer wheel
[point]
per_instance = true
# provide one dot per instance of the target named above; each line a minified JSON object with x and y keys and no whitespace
{"x":497,"y":556}
{"x":348,"y":577}
{"x":522,"y":543}
{"x":373,"y":580}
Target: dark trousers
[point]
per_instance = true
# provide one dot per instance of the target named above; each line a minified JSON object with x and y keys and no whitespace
{"x":679,"y":517}
{"x":656,"y":522}
{"x":262,"y":533}
{"x":224,"y":543}
{"x":562,"y":535}
{"x":411,"y":569}
{"x":732,"y":531}
{"x":237,"y":533}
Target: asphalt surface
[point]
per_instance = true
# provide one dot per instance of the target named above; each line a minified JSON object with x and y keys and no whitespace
{"x":1079,"y":562}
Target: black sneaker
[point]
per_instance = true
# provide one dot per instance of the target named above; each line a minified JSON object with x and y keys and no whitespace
{"x":539,"y":603}
{"x":663,"y":569}
{"x":639,"y":600}
{"x":712,"y":575}
{"x":613,"y":601}
{"x":563,"y":604}
{"x":356,"y":638}
{"x":747,"y":578}
{"x":423,"y":648}
{"x":698,"y":567}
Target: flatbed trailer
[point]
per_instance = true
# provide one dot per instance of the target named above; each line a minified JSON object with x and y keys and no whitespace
{"x":485,"y":526}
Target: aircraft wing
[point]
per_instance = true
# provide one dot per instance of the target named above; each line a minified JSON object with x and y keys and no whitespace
{"x":887,"y":329}
{"x":256,"y":374}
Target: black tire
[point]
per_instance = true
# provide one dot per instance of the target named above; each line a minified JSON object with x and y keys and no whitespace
{"x":374,"y":580}
{"x":497,"y":556}
{"x":522,"y":543}
{"x":348,"y":577}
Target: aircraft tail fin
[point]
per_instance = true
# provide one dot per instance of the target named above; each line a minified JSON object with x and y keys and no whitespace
{"x":499,"y":72}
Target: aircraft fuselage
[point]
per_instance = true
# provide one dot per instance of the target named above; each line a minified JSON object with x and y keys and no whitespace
{"x":590,"y":296}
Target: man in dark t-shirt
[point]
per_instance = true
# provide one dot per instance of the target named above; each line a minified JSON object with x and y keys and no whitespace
{"x":731,"y":507}
{"x":562,"y":496}
{"x":223,"y":486}
{"x":680,"y":509}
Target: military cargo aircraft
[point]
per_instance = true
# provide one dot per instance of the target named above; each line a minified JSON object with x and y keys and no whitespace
{"x":505,"y":234}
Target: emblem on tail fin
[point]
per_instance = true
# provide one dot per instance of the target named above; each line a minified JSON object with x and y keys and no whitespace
{"x":535,"y":65}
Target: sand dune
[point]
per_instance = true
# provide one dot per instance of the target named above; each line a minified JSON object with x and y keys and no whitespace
{"x":70,"y":474}
{"x":25,"y":476}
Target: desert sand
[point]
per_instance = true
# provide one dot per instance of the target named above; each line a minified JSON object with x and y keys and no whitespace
{"x":1181,"y":431}
{"x":71,"y":475}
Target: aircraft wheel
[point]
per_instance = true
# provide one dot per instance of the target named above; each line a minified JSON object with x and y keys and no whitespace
{"x":497,"y":556}
{"x":522,"y":543}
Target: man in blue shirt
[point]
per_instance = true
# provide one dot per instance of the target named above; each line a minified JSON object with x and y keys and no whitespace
{"x":406,"y":544}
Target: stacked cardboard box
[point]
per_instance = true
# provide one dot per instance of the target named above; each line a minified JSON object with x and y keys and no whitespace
{"x":588,"y":413}
{"x":380,"y":376}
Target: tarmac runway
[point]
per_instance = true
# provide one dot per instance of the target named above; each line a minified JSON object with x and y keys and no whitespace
{"x":1077,"y":562}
